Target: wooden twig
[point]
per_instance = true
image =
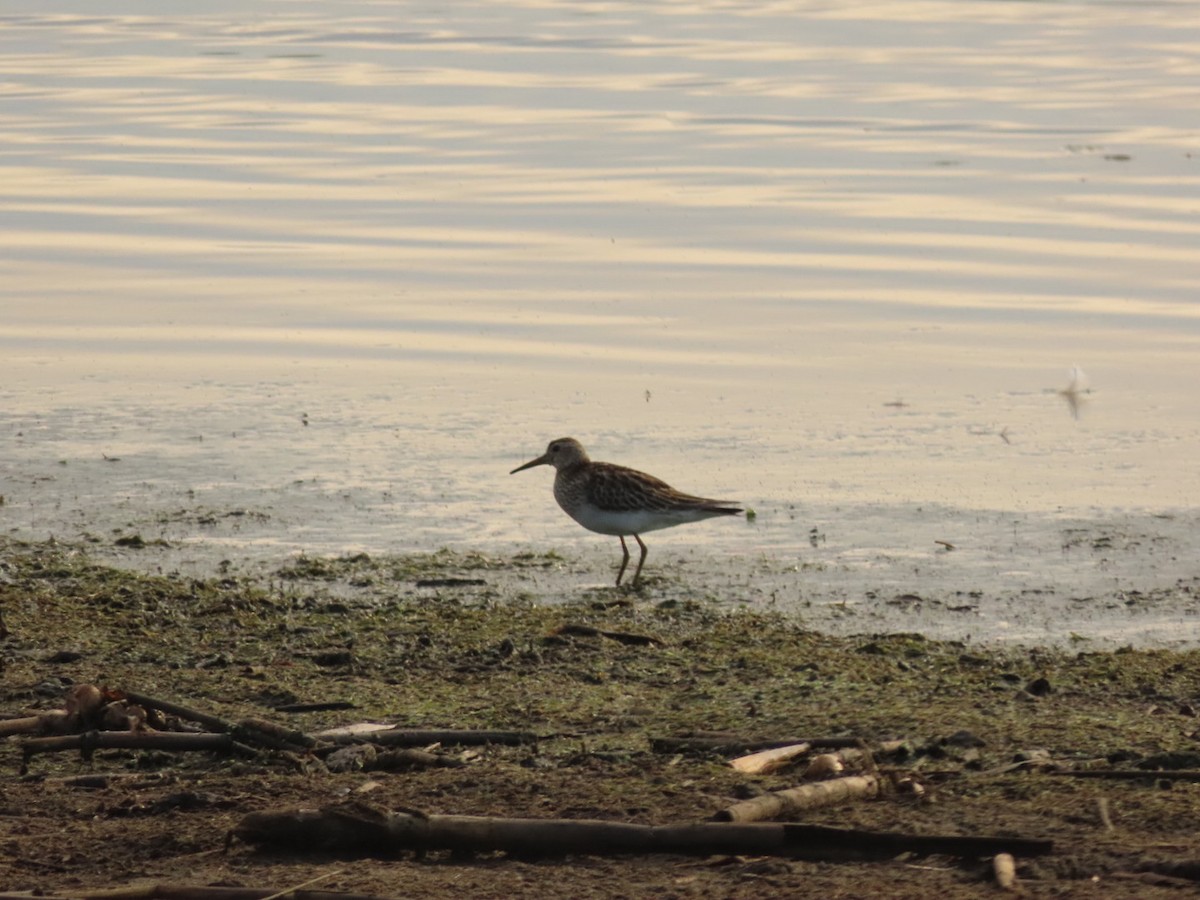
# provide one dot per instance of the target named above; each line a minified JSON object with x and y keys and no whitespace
{"x":1149,"y":774}
{"x":806,"y":796}
{"x":1103,"y":812}
{"x":188,"y":892}
{"x":732,"y":743}
{"x":1179,"y":868}
{"x":1004,"y":869}
{"x":90,"y":741}
{"x":304,"y":884}
{"x":360,"y":829}
{"x":212,"y":723}
{"x":272,"y":735}
{"x":50,"y":721}
{"x":764,"y":762}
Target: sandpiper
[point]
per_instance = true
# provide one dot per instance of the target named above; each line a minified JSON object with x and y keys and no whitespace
{"x":611,"y":499}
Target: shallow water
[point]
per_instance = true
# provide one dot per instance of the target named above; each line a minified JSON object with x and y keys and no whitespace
{"x":835,"y":263}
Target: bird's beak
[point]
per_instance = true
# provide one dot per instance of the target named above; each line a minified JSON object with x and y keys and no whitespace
{"x":540,"y":461}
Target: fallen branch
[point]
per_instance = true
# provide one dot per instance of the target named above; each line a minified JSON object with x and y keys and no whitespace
{"x":765,"y":762}
{"x":258,"y":732}
{"x":90,"y":741}
{"x":806,"y":796}
{"x":1155,"y":774}
{"x":411,"y":758}
{"x":273,"y":736}
{"x":1180,"y":868}
{"x":212,"y":723}
{"x":186,"y":892}
{"x":364,"y":830}
{"x":731,"y":743}
{"x":49,"y":722}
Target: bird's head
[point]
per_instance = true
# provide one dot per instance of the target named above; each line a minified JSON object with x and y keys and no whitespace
{"x":561,"y":453}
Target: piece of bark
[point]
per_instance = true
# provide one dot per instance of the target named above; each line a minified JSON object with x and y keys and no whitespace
{"x":366,"y":830}
{"x":806,"y":796}
{"x":1004,"y":869}
{"x":732,"y":743}
{"x":766,"y":761}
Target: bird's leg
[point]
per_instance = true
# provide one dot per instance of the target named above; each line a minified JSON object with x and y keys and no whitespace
{"x":625,"y":561}
{"x":638,"y":538}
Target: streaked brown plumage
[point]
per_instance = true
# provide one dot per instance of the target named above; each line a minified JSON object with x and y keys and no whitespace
{"x":612,"y":499}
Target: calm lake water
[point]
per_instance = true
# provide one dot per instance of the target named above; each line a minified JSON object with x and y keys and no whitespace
{"x":336,"y":267}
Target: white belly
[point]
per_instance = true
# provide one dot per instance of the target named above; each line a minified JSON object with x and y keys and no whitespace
{"x":605,"y":521}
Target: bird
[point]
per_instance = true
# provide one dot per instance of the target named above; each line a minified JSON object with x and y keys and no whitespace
{"x":616,"y":500}
{"x":1075,"y":390}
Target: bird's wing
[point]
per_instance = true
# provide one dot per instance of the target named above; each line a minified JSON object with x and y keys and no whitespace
{"x":620,"y":489}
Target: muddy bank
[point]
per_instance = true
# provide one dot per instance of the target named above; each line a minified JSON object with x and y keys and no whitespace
{"x":1102,"y":581}
{"x":442,"y":640}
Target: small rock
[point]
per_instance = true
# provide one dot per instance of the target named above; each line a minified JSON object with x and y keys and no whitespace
{"x":1039,"y":687}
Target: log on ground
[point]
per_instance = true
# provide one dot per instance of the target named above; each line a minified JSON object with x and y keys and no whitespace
{"x":363,"y":829}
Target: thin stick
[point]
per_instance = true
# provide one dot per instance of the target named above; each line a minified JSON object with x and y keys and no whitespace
{"x":304,"y":884}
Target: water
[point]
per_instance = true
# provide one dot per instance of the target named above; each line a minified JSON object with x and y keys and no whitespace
{"x":828,"y":261}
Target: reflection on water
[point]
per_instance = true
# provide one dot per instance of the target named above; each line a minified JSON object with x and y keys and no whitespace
{"x":715,"y":241}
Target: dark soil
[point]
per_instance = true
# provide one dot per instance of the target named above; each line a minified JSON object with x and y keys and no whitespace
{"x":461,"y":651}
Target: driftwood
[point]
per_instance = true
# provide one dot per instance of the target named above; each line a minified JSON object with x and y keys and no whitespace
{"x":1004,"y":869}
{"x":184,"y":892}
{"x":353,"y":732}
{"x":1180,"y":868}
{"x":806,"y":796}
{"x":212,"y":723}
{"x":258,"y":732}
{"x":411,"y":758}
{"x":732,"y":743}
{"x":50,"y":722}
{"x":362,"y":829}
{"x":272,"y":735}
{"x":765,"y":762}
{"x":90,"y":741}
{"x":422,"y":737}
{"x":1155,"y":774}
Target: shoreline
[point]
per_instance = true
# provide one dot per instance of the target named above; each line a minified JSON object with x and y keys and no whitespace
{"x":438,"y":642}
{"x":995,"y":579}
